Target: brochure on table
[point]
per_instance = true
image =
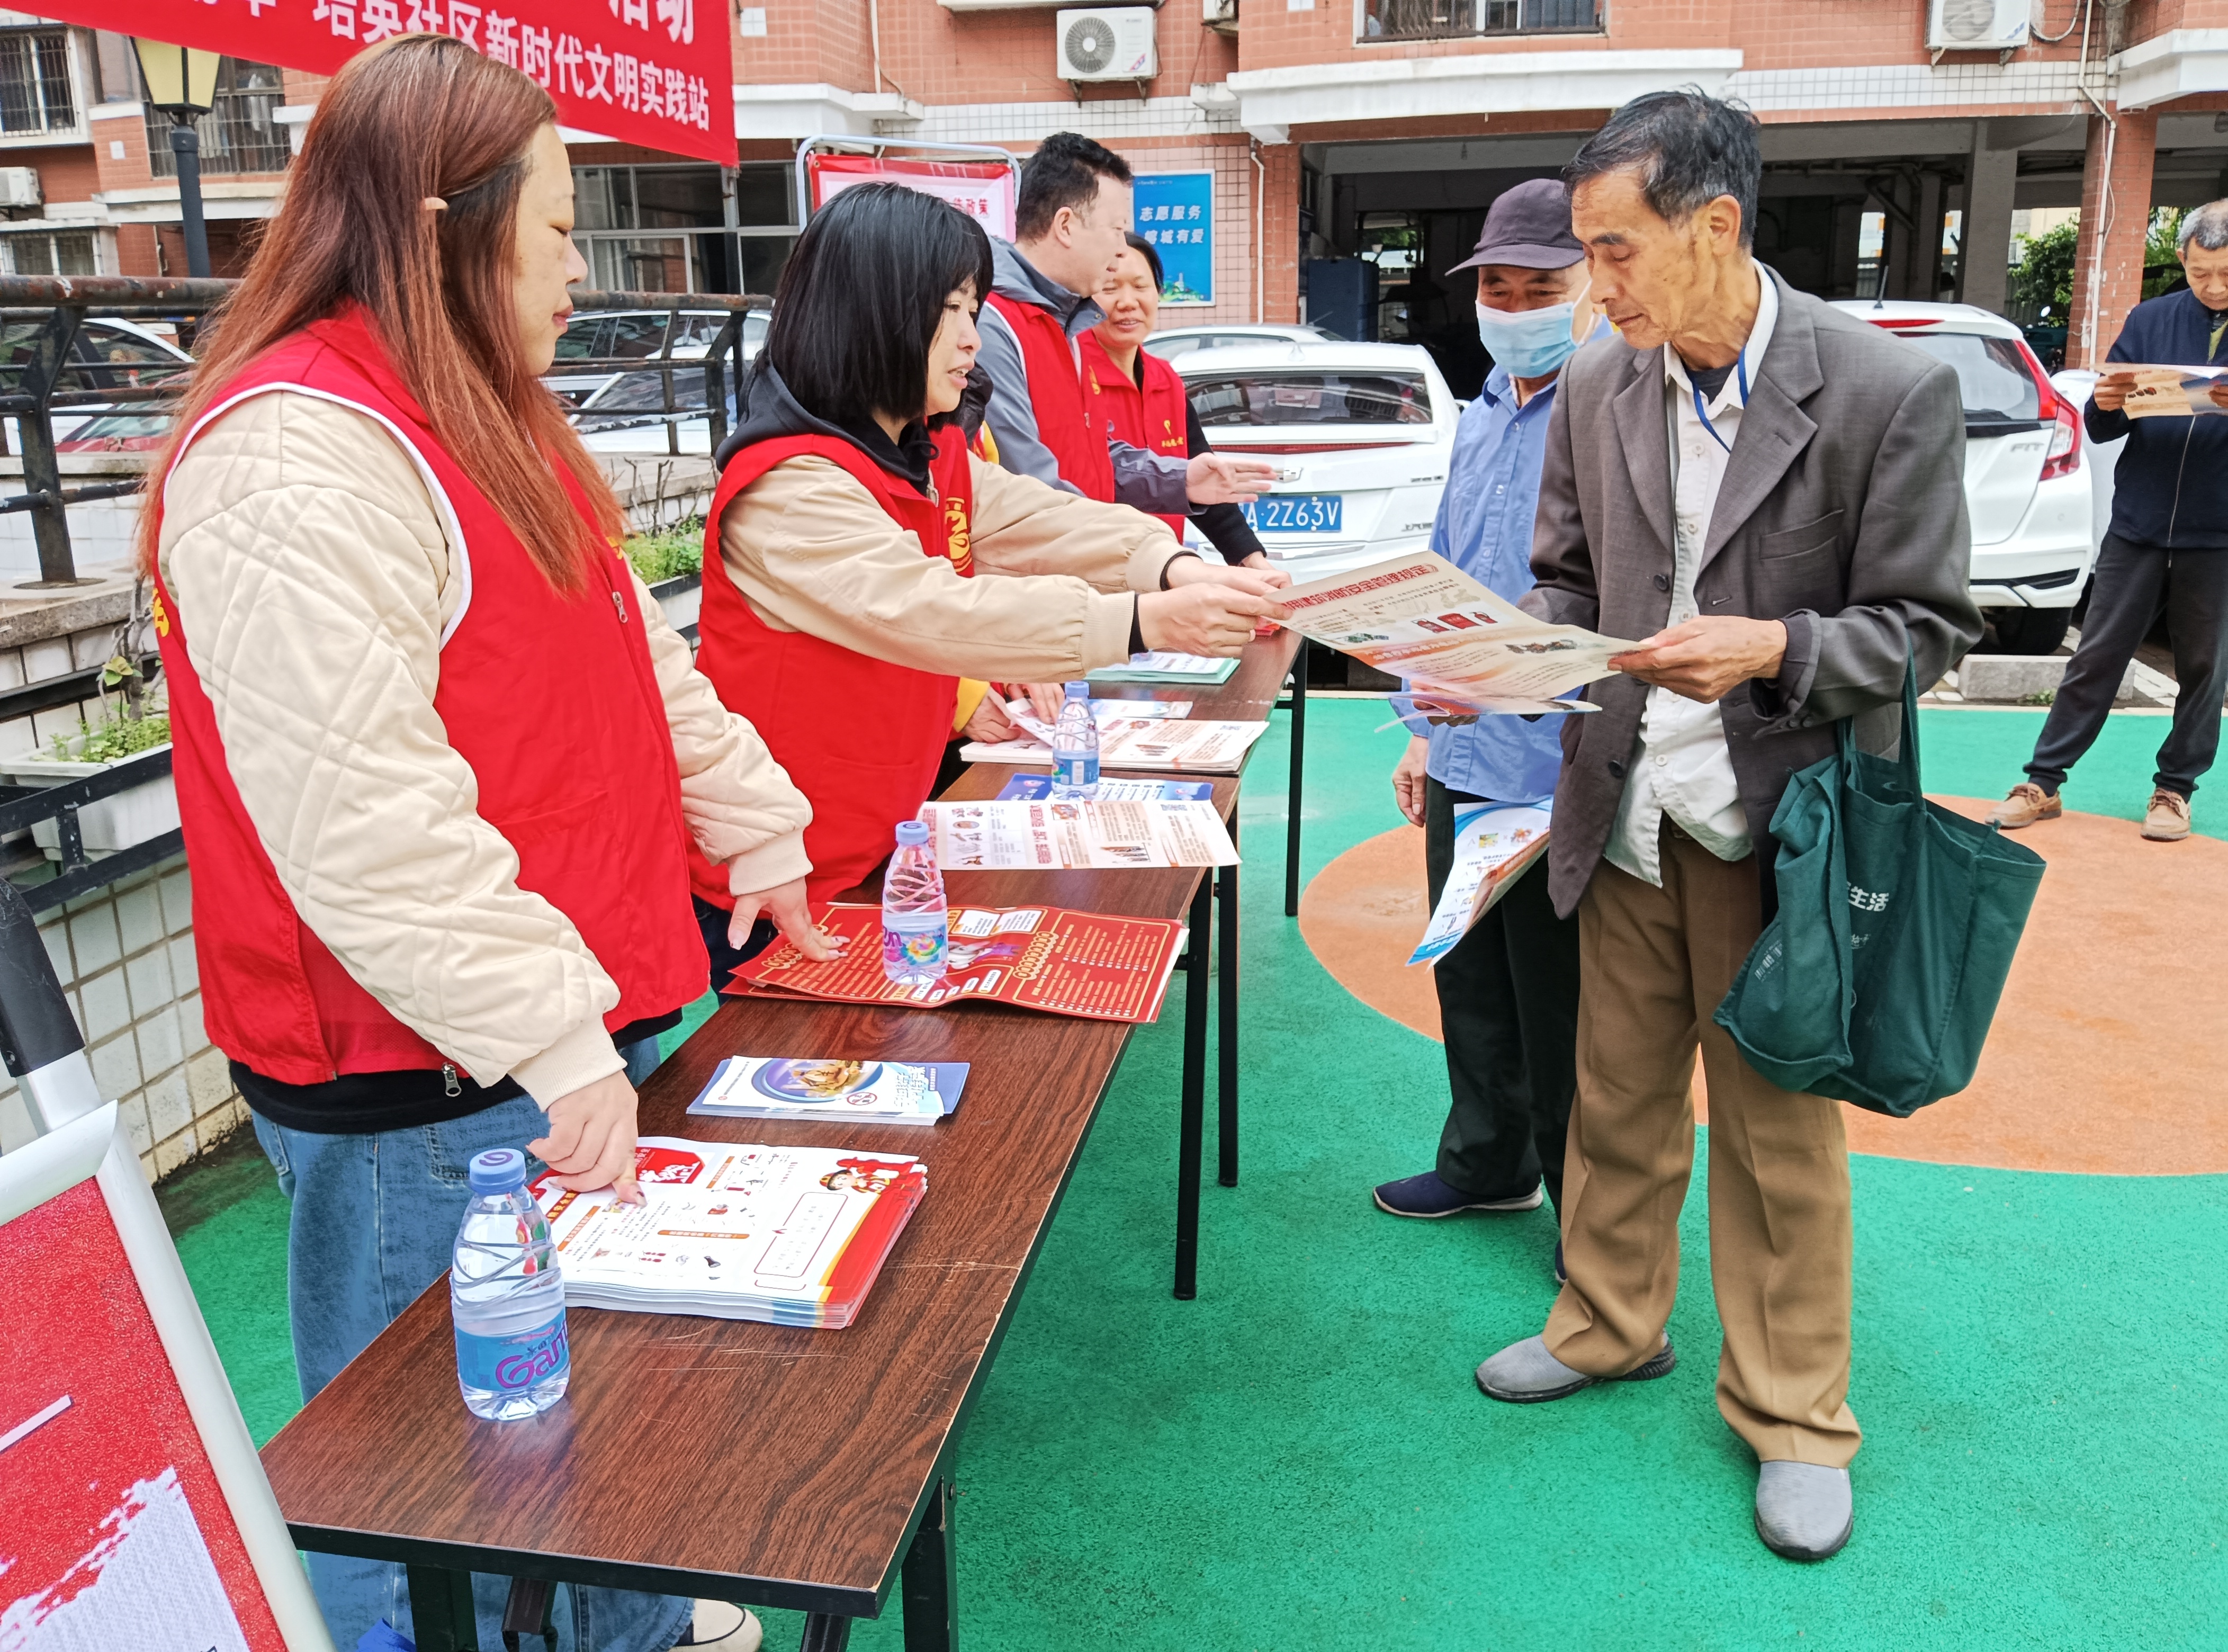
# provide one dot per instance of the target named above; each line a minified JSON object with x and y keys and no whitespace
{"x":2169,"y":391}
{"x":1494,"y":846}
{"x":1141,"y":743}
{"x":791,"y":1235}
{"x":1089,"y":965}
{"x":1027,"y":787}
{"x":1159,"y":666}
{"x":832,"y":1089}
{"x":1461,"y":648}
{"x":1076,"y":834}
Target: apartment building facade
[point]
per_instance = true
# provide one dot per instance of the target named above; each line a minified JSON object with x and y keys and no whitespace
{"x":1339,"y":154}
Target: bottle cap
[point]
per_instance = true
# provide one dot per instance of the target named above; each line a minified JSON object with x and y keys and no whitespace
{"x":497,"y":1170}
{"x":1078,"y":691}
{"x":912,"y":834}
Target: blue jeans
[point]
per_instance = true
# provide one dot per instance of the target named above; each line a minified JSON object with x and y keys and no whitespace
{"x":373,"y":1220}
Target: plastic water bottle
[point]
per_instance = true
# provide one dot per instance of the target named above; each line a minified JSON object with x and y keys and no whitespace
{"x":507,"y":1297}
{"x":916,"y":918}
{"x":1075,"y":746}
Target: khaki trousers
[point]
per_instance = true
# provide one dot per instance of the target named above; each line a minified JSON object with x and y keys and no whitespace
{"x":1653,"y":964}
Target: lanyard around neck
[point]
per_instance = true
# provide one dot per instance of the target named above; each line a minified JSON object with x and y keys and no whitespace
{"x":1740,"y":376}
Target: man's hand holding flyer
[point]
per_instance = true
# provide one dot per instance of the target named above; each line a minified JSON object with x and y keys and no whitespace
{"x":1463,"y":650}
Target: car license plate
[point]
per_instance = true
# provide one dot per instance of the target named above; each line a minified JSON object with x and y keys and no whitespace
{"x":1295,"y":512}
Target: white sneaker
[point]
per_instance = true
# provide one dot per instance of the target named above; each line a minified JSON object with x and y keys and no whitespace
{"x":724,"y":1625}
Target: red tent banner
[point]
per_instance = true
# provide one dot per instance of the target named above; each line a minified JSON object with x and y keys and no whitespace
{"x":646,"y":72}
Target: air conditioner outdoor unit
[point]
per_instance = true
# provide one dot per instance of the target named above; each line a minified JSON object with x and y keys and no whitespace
{"x":1978,"y":25}
{"x":1219,"y":11}
{"x":19,"y":186}
{"x":1106,"y":43}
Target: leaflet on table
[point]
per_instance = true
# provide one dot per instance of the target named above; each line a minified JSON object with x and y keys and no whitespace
{"x":1065,"y":963}
{"x":1460,"y":647}
{"x":1076,"y":833}
{"x":1148,"y":743}
{"x":1023,"y":715}
{"x":1159,"y":666}
{"x":2169,"y":391}
{"x":1494,"y":844}
{"x":834,"y":1089}
{"x":1027,"y":787}
{"x":791,"y":1235}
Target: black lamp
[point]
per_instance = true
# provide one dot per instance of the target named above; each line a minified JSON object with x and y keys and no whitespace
{"x":181,"y":81}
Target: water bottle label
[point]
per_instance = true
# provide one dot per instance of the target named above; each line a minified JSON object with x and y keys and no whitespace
{"x":511,"y":1364}
{"x":913,"y":949}
{"x":1075,"y":769}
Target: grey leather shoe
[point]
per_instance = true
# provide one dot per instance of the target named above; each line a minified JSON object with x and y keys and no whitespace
{"x":1803,"y":1511}
{"x":1525,"y":1374}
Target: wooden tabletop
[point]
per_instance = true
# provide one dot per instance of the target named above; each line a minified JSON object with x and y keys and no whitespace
{"x":722,"y":1458}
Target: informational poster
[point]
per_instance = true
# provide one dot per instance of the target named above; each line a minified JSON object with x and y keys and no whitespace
{"x":982,"y":190}
{"x":657,"y":73}
{"x":1176,"y":212}
{"x":1493,"y":845}
{"x":1067,"y":835}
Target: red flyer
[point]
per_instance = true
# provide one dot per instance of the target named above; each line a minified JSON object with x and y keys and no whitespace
{"x":1037,"y":957}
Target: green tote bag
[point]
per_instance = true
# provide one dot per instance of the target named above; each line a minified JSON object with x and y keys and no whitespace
{"x":1877,"y":980}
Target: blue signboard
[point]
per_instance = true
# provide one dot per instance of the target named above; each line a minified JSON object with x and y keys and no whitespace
{"x":1176,"y":212}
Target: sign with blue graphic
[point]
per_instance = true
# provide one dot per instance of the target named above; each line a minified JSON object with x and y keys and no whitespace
{"x":1176,"y":212}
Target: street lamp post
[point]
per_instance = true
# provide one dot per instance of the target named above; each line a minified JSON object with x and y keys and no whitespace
{"x":181,"y":81}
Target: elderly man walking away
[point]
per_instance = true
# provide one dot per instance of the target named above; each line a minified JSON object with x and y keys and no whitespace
{"x":2167,"y":548}
{"x":1769,"y":495}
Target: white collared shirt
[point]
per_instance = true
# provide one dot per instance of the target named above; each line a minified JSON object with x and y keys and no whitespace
{"x":1679,"y":764}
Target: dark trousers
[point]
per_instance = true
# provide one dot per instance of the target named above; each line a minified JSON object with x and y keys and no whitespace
{"x":712,"y":924}
{"x":2131,"y":583}
{"x":1508,"y":1008}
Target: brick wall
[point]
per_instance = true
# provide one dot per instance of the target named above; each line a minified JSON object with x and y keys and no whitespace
{"x":2122,"y":216}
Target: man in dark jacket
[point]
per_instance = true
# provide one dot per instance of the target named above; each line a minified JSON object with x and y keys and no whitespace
{"x":2167,"y":547}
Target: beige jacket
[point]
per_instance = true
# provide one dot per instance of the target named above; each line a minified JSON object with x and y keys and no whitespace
{"x":813,"y":551}
{"x":312,"y":579}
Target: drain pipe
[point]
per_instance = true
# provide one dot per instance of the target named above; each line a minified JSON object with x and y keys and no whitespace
{"x":2104,"y":201}
{"x":1260,"y":252}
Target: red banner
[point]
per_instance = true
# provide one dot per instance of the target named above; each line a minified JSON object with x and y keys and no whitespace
{"x":648,"y":72}
{"x":983,"y":190}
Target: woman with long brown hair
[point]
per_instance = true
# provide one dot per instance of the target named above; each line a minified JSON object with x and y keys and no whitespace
{"x":440,"y":761}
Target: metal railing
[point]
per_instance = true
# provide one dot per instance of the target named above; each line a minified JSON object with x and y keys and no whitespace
{"x":78,"y":872}
{"x":723,"y":356}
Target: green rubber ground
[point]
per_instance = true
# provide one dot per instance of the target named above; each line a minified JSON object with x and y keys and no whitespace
{"x":1299,"y":1460}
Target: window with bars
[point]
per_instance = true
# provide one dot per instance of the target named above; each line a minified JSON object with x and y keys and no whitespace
{"x":1449,"y":19}
{"x":35,"y":253}
{"x":241,"y":133}
{"x":34,"y":82}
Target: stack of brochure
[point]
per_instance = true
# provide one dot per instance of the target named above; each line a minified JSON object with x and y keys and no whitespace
{"x":1168,"y":667}
{"x":788,"y":1235}
{"x":1162,"y":744}
{"x":834,"y":1089}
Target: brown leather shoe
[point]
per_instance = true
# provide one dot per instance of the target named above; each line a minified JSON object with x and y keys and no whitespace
{"x":2027,"y":803}
{"x":2167,"y":820}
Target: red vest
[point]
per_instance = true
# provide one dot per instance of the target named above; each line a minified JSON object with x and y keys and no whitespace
{"x":861,"y":738}
{"x":1064,"y":424}
{"x":1154,"y":417}
{"x":551,"y":700}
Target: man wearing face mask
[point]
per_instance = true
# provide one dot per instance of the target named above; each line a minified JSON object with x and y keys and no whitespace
{"x":1509,"y":991}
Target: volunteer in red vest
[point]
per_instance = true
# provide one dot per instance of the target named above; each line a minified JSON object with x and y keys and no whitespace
{"x":858,"y":561}
{"x":1142,"y":397}
{"x":1070,"y":217}
{"x":440,"y":762}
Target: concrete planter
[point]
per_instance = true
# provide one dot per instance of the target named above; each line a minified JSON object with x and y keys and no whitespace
{"x":681,"y":597}
{"x":120,"y":822}
{"x":2025,"y":679}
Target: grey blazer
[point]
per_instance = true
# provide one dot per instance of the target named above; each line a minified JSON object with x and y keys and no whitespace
{"x":1842,"y":512}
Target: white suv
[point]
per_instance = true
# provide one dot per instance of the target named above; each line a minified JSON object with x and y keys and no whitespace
{"x":2029,"y":480}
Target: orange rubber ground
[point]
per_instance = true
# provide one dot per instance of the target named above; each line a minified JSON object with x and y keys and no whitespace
{"x":2110,"y":1051}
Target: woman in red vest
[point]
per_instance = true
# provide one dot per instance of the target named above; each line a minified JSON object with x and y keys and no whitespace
{"x":858,"y":561}
{"x":440,"y":762}
{"x":1140,"y":398}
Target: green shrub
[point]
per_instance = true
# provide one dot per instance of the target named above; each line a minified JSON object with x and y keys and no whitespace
{"x":669,"y":552}
{"x":115,"y":736}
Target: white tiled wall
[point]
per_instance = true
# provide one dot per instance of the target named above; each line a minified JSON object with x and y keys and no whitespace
{"x":125,"y":957}
{"x":55,"y":656}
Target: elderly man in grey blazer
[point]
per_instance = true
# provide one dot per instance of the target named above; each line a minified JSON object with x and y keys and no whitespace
{"x":1768,"y":493}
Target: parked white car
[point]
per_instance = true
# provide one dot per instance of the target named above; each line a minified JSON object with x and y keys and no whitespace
{"x":1360,"y":435}
{"x":2075,"y":384}
{"x":637,"y":336}
{"x":1172,"y":342}
{"x":2029,"y":477}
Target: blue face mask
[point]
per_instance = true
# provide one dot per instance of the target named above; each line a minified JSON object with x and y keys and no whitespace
{"x":1528,"y":343}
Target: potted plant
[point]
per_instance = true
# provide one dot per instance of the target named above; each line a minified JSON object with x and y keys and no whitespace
{"x":124,"y":734}
{"x":671,"y":563}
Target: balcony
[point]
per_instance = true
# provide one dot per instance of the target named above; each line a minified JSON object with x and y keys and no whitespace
{"x":1469,"y":19}
{"x":241,"y":133}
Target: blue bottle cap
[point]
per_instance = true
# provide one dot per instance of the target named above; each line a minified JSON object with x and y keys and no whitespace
{"x":1078,"y":691}
{"x":497,"y":1170}
{"x":912,"y":834}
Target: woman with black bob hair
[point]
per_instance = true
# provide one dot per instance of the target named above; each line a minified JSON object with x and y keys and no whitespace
{"x":858,"y":561}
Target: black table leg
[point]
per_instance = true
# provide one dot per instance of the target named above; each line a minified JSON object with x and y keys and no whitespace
{"x":1226,"y":1037}
{"x":1192,"y":1125}
{"x":825,"y":1632}
{"x":1299,"y":762}
{"x":527,"y":1613}
{"x":441,"y":1610}
{"x":932,"y":1579}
